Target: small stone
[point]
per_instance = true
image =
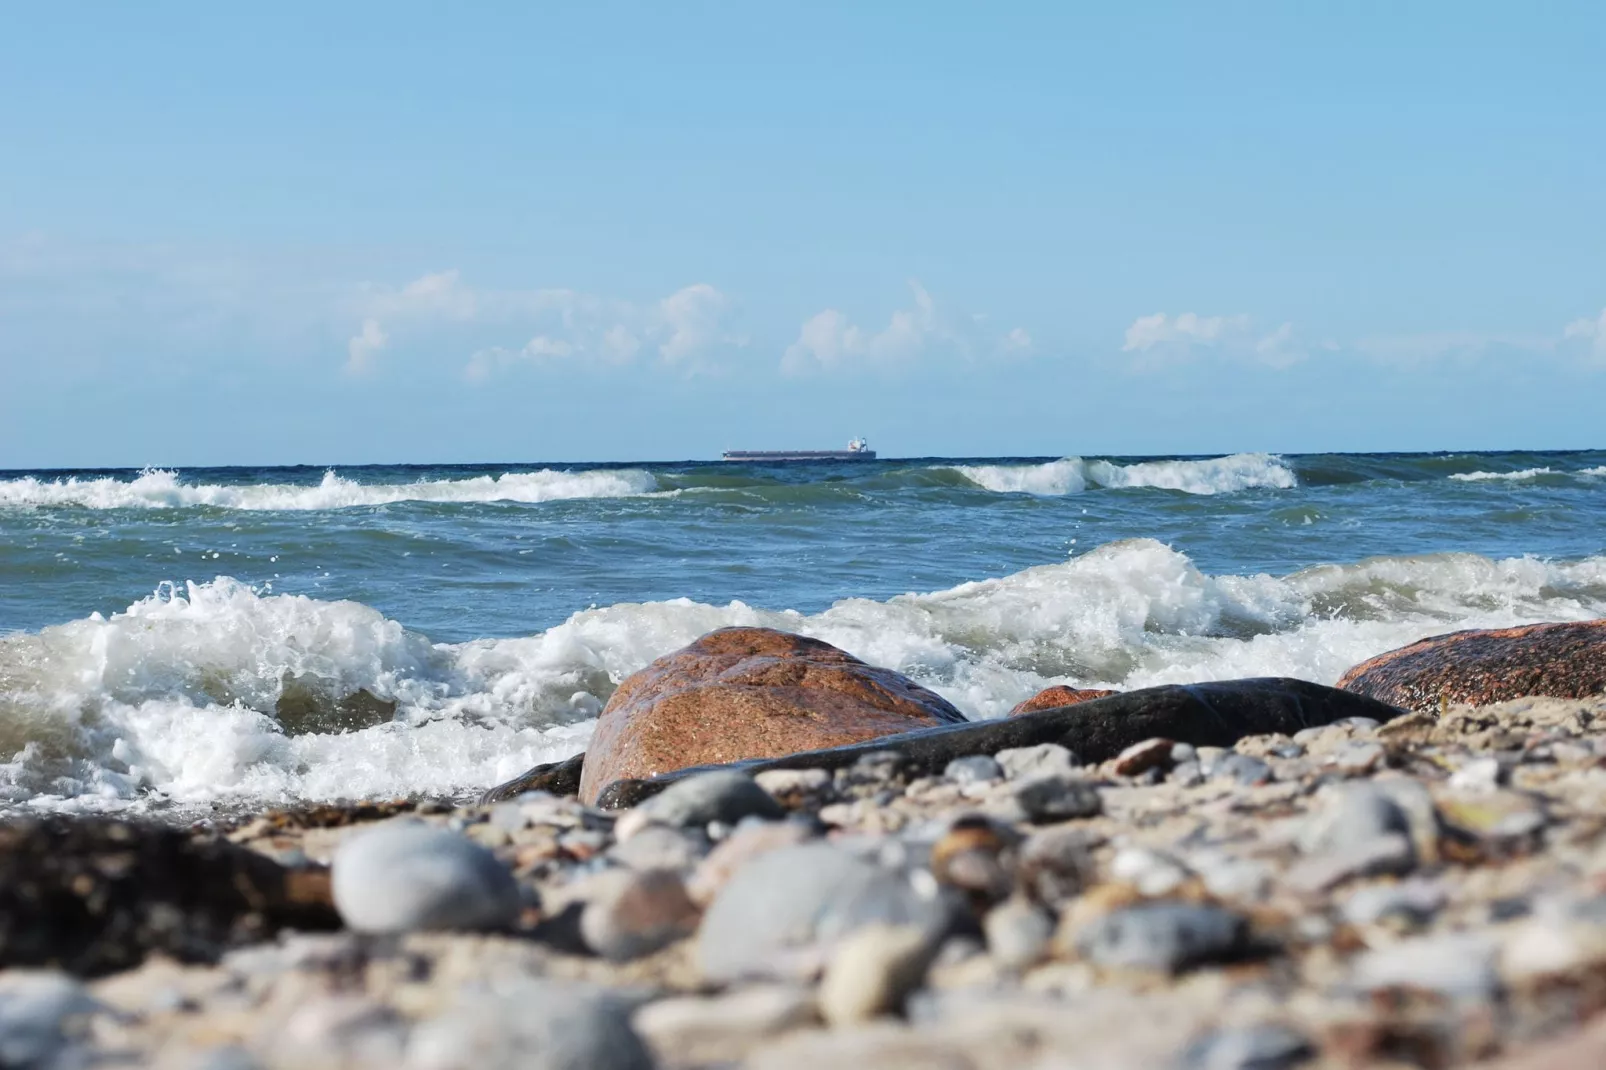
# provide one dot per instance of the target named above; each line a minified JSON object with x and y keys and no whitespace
{"x":1150,"y":872}
{"x":403,"y":875}
{"x":1357,"y":757}
{"x":1480,"y":774}
{"x":1141,"y":757}
{"x":974,"y":856}
{"x":529,"y":1025}
{"x":746,"y":842}
{"x":1409,"y":903}
{"x":1458,"y":966}
{"x":509,"y":816}
{"x":1359,"y":724}
{"x":874,"y":769}
{"x":974,"y":769}
{"x":1388,"y":854}
{"x":1183,"y":752}
{"x":796,"y":788}
{"x":1257,"y":1047}
{"x":779,"y":914}
{"x":1188,"y":775}
{"x":720,"y":1029}
{"x":1022,"y":763}
{"x":1018,"y":934}
{"x":1050,"y":798}
{"x":661,"y":847}
{"x":872,"y":972}
{"x":1208,"y":757}
{"x":1056,"y":864}
{"x":1164,"y":936}
{"x":1242,"y":768}
{"x":492,"y":836}
{"x":41,"y":1013}
{"x":1289,"y":749}
{"x":1229,"y":876}
{"x":1494,"y":814}
{"x":1353,"y":815}
{"x":637,"y":915}
{"x":722,"y":795}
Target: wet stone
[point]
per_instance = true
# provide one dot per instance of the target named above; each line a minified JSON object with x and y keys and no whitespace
{"x":1163,"y":936}
{"x":403,"y":876}
{"x":974,"y":769}
{"x":1046,"y":799}
{"x":723,"y":795}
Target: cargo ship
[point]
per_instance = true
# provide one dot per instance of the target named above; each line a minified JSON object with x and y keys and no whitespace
{"x":858,"y":450}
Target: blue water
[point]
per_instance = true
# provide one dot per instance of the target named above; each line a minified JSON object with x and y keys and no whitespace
{"x":174,"y":638}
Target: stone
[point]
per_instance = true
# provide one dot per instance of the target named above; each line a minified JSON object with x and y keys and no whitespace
{"x":1059,"y":695}
{"x":1478,"y":668}
{"x":1357,"y":757}
{"x":873,"y":970}
{"x":41,"y":1014}
{"x":1141,"y":757}
{"x":1389,"y":853}
{"x":720,"y":1029}
{"x":529,"y":1024}
{"x":974,"y":769}
{"x":1459,"y":966}
{"x":1019,"y":933}
{"x":780,"y":914}
{"x":1056,"y":864}
{"x":1045,"y":759}
{"x":723,"y":795}
{"x":661,"y":847}
{"x":746,"y":842}
{"x":749,"y":693}
{"x":796,"y":788}
{"x":1494,"y":815}
{"x":1163,"y":936}
{"x":1243,"y":768}
{"x":1268,"y":1046}
{"x":1152,"y":873}
{"x":974,"y":856}
{"x":403,"y":875}
{"x":637,"y":915}
{"x":1051,"y":798}
{"x":1354,"y":814}
{"x":1480,"y":774}
{"x":1407,"y":904}
{"x":556,"y":778}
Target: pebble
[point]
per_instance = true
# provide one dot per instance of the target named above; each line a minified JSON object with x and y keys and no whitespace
{"x":661,"y":847}
{"x":796,"y":788}
{"x":1018,"y":934}
{"x":974,"y":769}
{"x":638,"y":914}
{"x":1411,"y":903}
{"x":1141,"y":757}
{"x":1183,"y":752}
{"x":1242,"y":768}
{"x":720,"y":1029}
{"x":1165,"y":936}
{"x":1050,"y":798}
{"x":529,"y":1025}
{"x":722,"y":795}
{"x":1020,"y":763}
{"x":872,"y":972}
{"x":39,"y":1016}
{"x":1352,"y":816}
{"x":746,"y":842}
{"x":1056,"y":864}
{"x":1388,"y":854}
{"x":779,"y":913}
{"x":1188,"y":774}
{"x":1494,"y":814}
{"x":1228,"y":876}
{"x":1152,"y":873}
{"x":1480,"y":774}
{"x":1457,"y":966}
{"x":1258,"y":1047}
{"x":1357,"y":757}
{"x":404,"y":875}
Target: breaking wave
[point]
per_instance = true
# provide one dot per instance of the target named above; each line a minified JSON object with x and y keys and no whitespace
{"x":1525,"y":474}
{"x":219,"y":692}
{"x":162,"y":489}
{"x":1072,"y":475}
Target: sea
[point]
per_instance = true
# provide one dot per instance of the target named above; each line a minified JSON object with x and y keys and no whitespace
{"x":180,"y":641}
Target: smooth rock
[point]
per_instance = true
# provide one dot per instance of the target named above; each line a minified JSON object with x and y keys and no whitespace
{"x":637,"y":915}
{"x":1478,"y":668}
{"x":1152,"y":873}
{"x":1458,"y":966}
{"x":1357,"y":757}
{"x":661,"y":847}
{"x":872,"y":971}
{"x":723,"y":795}
{"x":1408,"y":903}
{"x":1165,"y":936}
{"x":749,"y":693}
{"x":974,"y":769}
{"x":974,"y":856}
{"x":1258,"y":1047}
{"x":1141,"y":757}
{"x":1480,"y":774}
{"x":529,"y":1025}
{"x":402,"y":876}
{"x":746,"y":842}
{"x":41,"y":1013}
{"x":1352,"y":815}
{"x":779,"y":915}
{"x":1056,"y":864}
{"x":1059,"y":695}
{"x":1243,"y":768}
{"x":720,"y":1029}
{"x":1390,"y":853}
{"x":1019,"y":933}
{"x":1045,"y":759}
{"x":1050,"y":798}
{"x":796,"y":788}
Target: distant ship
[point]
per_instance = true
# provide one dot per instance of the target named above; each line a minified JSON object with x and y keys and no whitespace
{"x":858,"y":450}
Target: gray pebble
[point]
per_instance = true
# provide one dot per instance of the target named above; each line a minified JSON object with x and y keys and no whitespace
{"x":661,"y":847}
{"x":1020,"y":763}
{"x":1183,"y":752}
{"x":1390,"y":853}
{"x":1188,"y":774}
{"x":974,"y":769}
{"x":1018,"y":934}
{"x":635,"y":914}
{"x":722,"y":795}
{"x":402,"y":876}
{"x":1351,"y":816}
{"x":1242,"y":768}
{"x":1046,"y":799}
{"x":37,"y":1012}
{"x":1413,"y":902}
{"x":529,"y":1025}
{"x":1459,"y":966}
{"x":1257,"y":1047}
{"x":1166,"y":936}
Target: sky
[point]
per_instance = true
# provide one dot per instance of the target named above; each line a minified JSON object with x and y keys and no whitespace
{"x":398,"y":232}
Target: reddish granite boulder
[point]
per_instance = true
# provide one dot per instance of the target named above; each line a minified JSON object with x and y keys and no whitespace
{"x":749,"y":693}
{"x":1059,"y":695}
{"x":1479,"y":667}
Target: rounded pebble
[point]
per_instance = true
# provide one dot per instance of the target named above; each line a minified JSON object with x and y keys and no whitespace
{"x":404,"y":876}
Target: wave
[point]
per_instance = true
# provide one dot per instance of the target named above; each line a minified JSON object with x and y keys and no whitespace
{"x":216,"y":691}
{"x":1525,"y":474}
{"x":156,"y":488}
{"x":1072,"y":475}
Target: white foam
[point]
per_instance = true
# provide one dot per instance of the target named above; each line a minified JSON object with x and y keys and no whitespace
{"x":1481,"y":477}
{"x":178,"y":697}
{"x":1072,"y":475}
{"x":161,"y":489}
{"x":1601,"y":471}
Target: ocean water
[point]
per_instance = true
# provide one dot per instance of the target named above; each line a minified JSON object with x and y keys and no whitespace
{"x":178,"y":640}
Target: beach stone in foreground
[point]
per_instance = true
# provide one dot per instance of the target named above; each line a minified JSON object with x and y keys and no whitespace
{"x":723,"y":795}
{"x":1051,"y":698}
{"x":1566,"y":660}
{"x":530,"y":1025}
{"x":404,"y":876}
{"x":1165,"y":936}
{"x":749,"y":693}
{"x":782,"y":912}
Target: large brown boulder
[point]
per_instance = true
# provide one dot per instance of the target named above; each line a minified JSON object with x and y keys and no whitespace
{"x":1051,"y":698}
{"x":749,"y":693}
{"x":1479,"y":667}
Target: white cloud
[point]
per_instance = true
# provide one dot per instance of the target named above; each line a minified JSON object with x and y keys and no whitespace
{"x":364,"y":347}
{"x":691,"y":323}
{"x":1590,"y":331}
{"x":1160,"y":339}
{"x":829,"y":340}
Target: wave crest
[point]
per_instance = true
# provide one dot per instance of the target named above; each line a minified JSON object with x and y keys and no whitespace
{"x":1072,"y":475}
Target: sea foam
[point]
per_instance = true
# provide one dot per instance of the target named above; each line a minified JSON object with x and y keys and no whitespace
{"x":215,"y":692}
{"x":1072,"y":475}
{"x":162,"y":489}
{"x":1524,"y":474}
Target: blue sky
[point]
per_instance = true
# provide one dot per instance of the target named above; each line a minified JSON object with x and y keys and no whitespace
{"x":401,"y":232}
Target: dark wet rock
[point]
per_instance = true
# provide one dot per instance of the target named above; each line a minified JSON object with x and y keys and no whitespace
{"x":1058,"y":696}
{"x":1205,"y":715}
{"x":92,"y":896}
{"x":1478,"y":668}
{"x":1047,"y":799}
{"x":741,"y":693}
{"x":1257,"y":1047}
{"x":782,"y":912}
{"x":556,"y":778}
{"x":1166,"y":936}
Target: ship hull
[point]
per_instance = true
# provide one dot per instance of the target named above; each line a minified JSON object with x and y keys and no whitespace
{"x":769,"y":456}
